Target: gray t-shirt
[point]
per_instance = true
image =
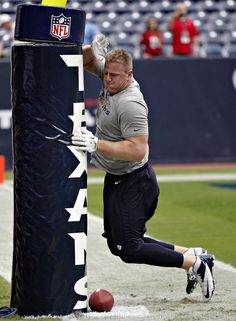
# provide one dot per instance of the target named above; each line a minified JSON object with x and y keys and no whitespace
{"x":120,"y":116}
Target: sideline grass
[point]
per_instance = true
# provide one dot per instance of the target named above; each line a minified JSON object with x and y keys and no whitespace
{"x":197,"y":214}
{"x":5,"y":301}
{"x":4,"y":292}
{"x":8,"y":175}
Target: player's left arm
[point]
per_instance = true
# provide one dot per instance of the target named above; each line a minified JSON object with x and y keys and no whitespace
{"x":134,"y":129}
{"x":133,"y":148}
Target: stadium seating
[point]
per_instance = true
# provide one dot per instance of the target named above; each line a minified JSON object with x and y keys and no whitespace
{"x":124,"y":21}
{"x":212,"y":44}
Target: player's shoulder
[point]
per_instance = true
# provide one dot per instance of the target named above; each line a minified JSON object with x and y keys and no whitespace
{"x":135,"y":93}
{"x":131,"y":93}
{"x":131,"y":98}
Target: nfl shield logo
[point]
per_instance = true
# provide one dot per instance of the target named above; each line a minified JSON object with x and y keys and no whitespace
{"x":60,"y":26}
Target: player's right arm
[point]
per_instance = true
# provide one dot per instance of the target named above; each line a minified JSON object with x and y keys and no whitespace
{"x":90,"y":61}
{"x":95,"y":53}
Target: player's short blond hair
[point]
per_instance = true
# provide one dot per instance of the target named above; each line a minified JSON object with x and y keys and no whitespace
{"x":121,"y":56}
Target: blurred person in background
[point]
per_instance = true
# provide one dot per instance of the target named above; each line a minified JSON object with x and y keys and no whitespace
{"x":151,"y":39}
{"x":6,"y":34}
{"x":185,"y":41}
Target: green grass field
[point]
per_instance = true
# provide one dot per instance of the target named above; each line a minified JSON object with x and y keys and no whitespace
{"x":189,"y":214}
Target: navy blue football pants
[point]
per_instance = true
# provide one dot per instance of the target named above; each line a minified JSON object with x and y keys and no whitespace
{"x":130,"y":201}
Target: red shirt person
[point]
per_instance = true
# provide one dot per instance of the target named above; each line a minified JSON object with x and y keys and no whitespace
{"x":184,"y":32}
{"x":152,"y":39}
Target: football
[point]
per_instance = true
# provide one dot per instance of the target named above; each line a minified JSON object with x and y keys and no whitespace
{"x":101,"y":301}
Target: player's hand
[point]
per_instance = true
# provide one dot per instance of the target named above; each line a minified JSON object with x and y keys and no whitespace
{"x":84,"y":141}
{"x":99,"y":46}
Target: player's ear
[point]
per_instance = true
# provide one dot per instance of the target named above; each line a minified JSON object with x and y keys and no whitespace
{"x":130,"y":73}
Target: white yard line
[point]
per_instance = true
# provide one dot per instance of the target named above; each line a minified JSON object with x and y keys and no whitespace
{"x":181,"y":178}
{"x":120,"y":311}
{"x":6,"y":230}
{"x":163,"y":178}
{"x":196,"y":177}
{"x":138,"y":311}
{"x":225,"y":267}
{"x":7,"y":186}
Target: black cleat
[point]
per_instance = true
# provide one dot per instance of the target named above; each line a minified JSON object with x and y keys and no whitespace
{"x":191,"y":277}
{"x":203,"y":272}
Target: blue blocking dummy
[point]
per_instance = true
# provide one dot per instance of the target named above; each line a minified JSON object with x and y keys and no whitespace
{"x":50,"y":176}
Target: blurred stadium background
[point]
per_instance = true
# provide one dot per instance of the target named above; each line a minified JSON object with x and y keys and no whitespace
{"x":123,"y":21}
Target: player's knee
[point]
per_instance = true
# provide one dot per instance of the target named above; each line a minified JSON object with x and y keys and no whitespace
{"x":129,"y":255}
{"x":112,"y":249}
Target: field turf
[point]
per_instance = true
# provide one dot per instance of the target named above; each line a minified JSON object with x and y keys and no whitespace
{"x":189,"y":214}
